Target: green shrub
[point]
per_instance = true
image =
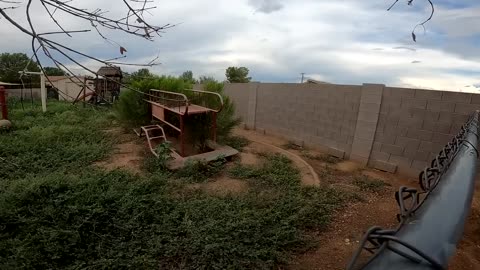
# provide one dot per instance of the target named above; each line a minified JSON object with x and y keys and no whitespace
{"x":277,"y":171}
{"x":131,"y":108}
{"x":199,"y":171}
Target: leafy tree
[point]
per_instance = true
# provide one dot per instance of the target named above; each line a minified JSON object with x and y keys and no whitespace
{"x":237,"y":75}
{"x":143,"y":73}
{"x":54,"y":71}
{"x":12,"y":63}
{"x":187,"y":76}
{"x":205,"y":79}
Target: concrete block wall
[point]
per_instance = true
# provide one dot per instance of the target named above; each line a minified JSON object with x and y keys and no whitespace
{"x":414,"y":125}
{"x":239,"y":93}
{"x":324,"y":116}
{"x":391,"y":129}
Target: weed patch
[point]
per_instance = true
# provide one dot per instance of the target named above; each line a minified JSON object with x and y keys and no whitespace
{"x":366,"y":183}
{"x":236,"y":142}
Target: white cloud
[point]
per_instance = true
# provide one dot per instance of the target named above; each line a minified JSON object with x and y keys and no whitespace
{"x":337,"y":41}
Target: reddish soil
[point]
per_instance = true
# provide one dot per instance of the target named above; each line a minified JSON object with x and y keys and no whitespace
{"x":128,"y":153}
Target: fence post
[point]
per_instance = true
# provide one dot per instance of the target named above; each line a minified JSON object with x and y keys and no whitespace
{"x":3,"y":103}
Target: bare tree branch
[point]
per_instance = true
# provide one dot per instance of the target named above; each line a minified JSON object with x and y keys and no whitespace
{"x":133,"y":23}
{"x":422,"y":24}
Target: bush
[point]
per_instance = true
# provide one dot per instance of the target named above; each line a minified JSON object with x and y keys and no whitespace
{"x":131,"y":108}
{"x":277,"y":171}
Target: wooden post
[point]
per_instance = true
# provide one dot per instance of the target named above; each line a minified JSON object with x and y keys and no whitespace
{"x":3,"y":103}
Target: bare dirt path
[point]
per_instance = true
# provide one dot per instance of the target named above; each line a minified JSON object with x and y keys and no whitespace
{"x":127,"y":154}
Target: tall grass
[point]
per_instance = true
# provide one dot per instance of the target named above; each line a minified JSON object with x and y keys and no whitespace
{"x":58,"y":211}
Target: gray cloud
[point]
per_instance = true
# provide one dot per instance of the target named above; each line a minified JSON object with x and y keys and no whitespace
{"x":368,"y":45}
{"x":266,"y":6}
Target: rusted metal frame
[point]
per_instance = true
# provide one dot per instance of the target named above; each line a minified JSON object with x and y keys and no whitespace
{"x":210,"y":93}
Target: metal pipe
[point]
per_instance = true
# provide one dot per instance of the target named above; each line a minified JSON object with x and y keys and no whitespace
{"x":3,"y":103}
{"x":427,"y":239}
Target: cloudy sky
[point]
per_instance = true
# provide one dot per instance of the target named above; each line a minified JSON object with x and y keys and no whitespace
{"x":339,"y":41}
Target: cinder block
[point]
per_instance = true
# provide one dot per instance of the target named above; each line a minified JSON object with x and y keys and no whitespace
{"x":428,"y":94}
{"x":410,"y":123}
{"x":400,"y":161}
{"x":466,"y":108}
{"x":383,"y":166}
{"x":440,"y":106}
{"x":377,"y":155}
{"x":399,"y":92}
{"x":414,"y":103}
{"x":423,"y":135}
{"x":392,"y":149}
{"x":394,"y":130}
{"x":369,"y":107}
{"x":364,"y":133}
{"x":417,"y":113}
{"x":371,"y":117}
{"x":460,"y":118}
{"x":336,"y":152}
{"x":385,"y":138}
{"x":441,"y":127}
{"x":456,"y":127}
{"x":376,"y":146}
{"x":431,"y":116}
{"x":419,"y":165}
{"x":441,"y":138}
{"x":475,"y":99}
{"x":362,"y":147}
{"x":411,"y":153}
{"x":457,"y":97}
{"x":426,"y":146}
{"x":405,"y":142}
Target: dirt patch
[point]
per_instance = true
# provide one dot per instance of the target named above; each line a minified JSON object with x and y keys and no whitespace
{"x":128,"y":154}
{"x":347,"y":166}
{"x":338,"y":243}
{"x":221,"y":187}
{"x":268,"y":144}
{"x":250,"y":159}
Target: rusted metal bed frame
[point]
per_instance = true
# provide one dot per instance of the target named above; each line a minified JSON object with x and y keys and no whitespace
{"x":183,"y":105}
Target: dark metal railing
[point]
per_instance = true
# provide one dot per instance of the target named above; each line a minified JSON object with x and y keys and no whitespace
{"x":431,"y":220}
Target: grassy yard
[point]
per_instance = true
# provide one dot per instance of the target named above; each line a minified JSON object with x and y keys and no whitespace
{"x":58,"y":210}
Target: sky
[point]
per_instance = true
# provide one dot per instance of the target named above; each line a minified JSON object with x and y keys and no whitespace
{"x":338,"y":41}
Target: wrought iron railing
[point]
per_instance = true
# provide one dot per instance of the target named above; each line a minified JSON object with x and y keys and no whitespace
{"x":431,"y":221}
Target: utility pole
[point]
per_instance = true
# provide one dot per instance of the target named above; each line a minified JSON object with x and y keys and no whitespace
{"x":303,"y":76}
